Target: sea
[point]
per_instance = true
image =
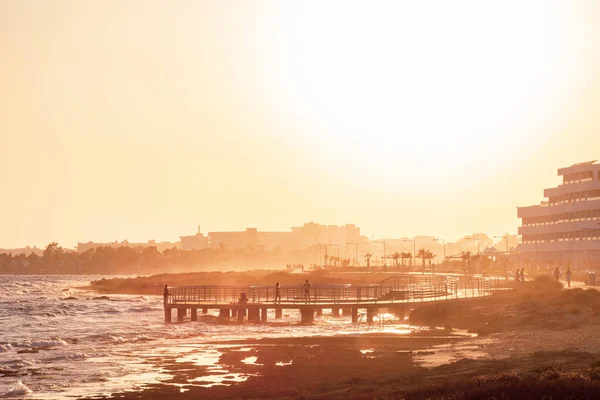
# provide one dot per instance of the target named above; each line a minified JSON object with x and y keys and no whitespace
{"x":60,"y":340}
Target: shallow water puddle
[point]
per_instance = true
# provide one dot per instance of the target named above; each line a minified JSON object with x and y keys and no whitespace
{"x":447,"y":353}
{"x":224,"y":380}
{"x":250,"y":360}
{"x":283,"y":364}
{"x":205,"y":357}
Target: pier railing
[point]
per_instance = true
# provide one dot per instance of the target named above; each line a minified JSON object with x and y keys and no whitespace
{"x":408,"y":288}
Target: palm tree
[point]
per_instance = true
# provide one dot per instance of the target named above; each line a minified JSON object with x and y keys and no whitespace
{"x":422,"y":254}
{"x":368,"y":258}
{"x":325,"y":257}
{"x":409,"y":256}
{"x":395,"y":257}
{"x":429,"y":255}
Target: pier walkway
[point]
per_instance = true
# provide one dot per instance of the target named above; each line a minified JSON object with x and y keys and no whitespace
{"x":395,"y":293}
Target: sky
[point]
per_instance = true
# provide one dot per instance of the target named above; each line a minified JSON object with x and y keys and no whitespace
{"x":143,"y":119}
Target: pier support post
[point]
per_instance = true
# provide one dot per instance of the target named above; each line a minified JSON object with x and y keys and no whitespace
{"x":253,"y":314}
{"x":168,"y":315}
{"x":204,"y":310}
{"x":234,"y":312}
{"x":335,"y":311}
{"x":263,"y":315}
{"x":355,"y":315}
{"x":308,"y":315}
{"x":180,"y":314}
{"x":346,"y":311}
{"x":241,"y":314}
{"x":278,"y":313}
{"x":224,"y":313}
{"x":370,"y":314}
{"x":194,"y":314}
{"x":319,"y":312}
{"x":185,"y":312}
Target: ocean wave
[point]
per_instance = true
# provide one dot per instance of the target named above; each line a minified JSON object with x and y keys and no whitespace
{"x":41,"y":343}
{"x":20,"y":389}
{"x":143,"y":309}
{"x":117,"y":339}
{"x":142,"y":338}
{"x":5,"y":347}
{"x":16,"y":364}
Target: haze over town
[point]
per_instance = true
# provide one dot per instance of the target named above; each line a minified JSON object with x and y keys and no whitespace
{"x":138,"y":121}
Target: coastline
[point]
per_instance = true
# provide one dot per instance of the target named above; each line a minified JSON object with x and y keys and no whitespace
{"x":535,"y":328}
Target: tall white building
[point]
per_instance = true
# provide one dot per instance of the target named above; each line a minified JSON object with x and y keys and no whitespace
{"x":565,"y":227}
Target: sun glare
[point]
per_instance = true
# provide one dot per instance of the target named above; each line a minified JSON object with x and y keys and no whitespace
{"x":375,"y":86}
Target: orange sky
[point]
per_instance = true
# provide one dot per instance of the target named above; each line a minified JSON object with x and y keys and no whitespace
{"x":141,"y":119}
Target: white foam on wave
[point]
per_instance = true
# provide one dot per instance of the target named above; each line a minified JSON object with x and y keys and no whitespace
{"x":117,"y":339}
{"x":5,"y":347}
{"x":41,"y":343}
{"x":20,"y":389}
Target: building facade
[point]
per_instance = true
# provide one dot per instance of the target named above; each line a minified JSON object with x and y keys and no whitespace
{"x":160,"y":246}
{"x":194,"y":242}
{"x":565,"y":228}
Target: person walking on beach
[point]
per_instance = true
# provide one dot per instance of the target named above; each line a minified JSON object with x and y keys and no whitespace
{"x":306,"y":288}
{"x":568,"y":276}
{"x":557,"y":274}
{"x":517,"y":276}
{"x":522,"y":275}
{"x":277,"y":292}
{"x":166,"y":295}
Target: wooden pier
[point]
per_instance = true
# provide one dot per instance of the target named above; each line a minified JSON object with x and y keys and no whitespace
{"x":253,"y":303}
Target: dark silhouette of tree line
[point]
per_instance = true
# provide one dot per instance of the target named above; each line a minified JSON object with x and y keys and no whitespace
{"x":125,"y":260}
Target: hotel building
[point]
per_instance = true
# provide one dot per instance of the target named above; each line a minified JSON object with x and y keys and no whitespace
{"x":565,"y":228}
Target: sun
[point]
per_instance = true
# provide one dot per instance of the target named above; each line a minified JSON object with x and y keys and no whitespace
{"x":405,"y":86}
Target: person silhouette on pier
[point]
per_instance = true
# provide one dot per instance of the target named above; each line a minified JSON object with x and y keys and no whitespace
{"x":277,"y":293}
{"x":166,"y":295}
{"x":306,"y":288}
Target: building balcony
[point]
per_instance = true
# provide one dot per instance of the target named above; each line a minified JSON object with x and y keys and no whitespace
{"x":547,"y":209}
{"x":572,"y":188}
{"x":567,"y":245}
{"x":559,"y":227}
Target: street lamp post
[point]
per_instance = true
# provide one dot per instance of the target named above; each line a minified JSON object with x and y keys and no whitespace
{"x":321,"y":245}
{"x":444,"y":248}
{"x":414,"y":249}
{"x":355,"y":252}
{"x":384,"y":259}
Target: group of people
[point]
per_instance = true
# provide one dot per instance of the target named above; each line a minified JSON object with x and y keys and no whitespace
{"x":305,"y":289}
{"x":520,"y":275}
{"x":568,"y":275}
